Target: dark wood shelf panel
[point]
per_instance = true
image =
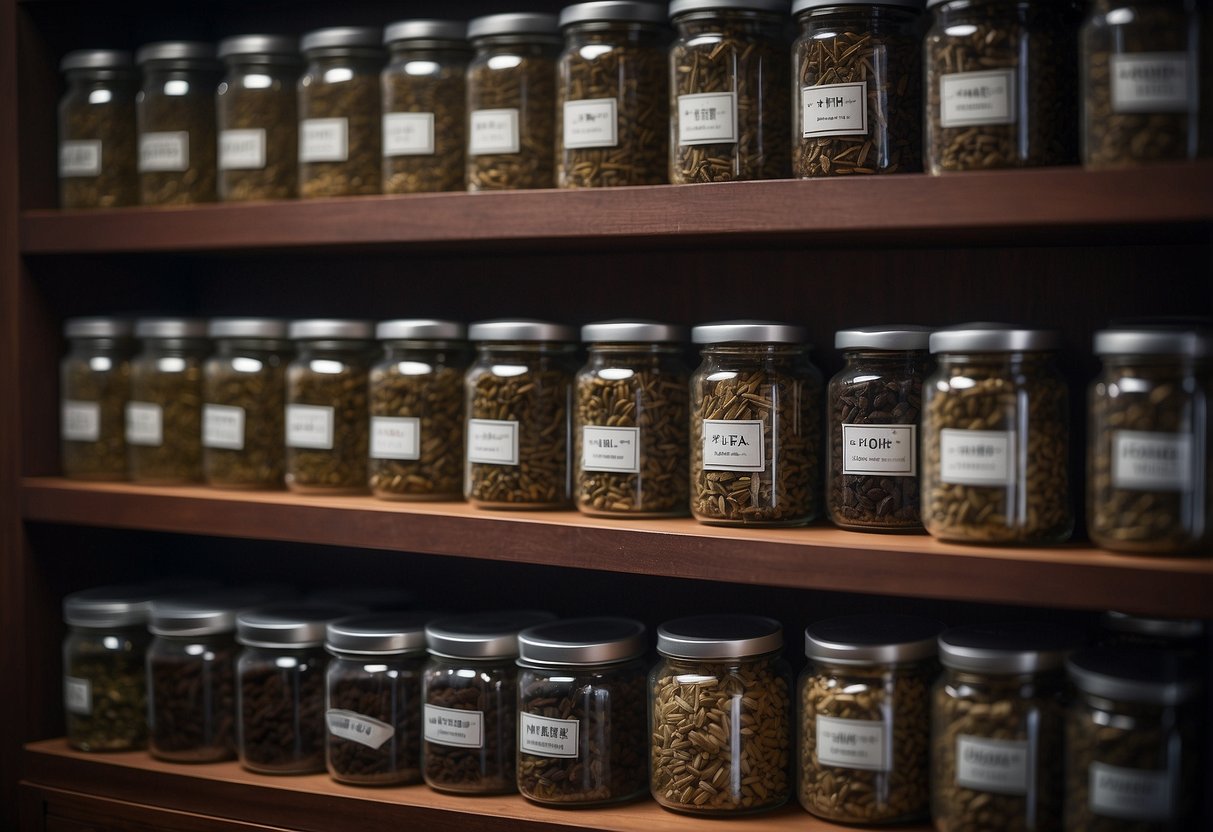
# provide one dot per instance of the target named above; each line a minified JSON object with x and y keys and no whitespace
{"x":821,"y":558}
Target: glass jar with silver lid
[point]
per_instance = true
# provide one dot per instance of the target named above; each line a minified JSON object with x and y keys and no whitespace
{"x":164,"y":413}
{"x":94,"y":385}
{"x":97,"y":147}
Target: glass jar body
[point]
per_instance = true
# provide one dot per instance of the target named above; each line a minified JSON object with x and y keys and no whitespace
{"x":98,"y":151}
{"x":244,"y":391}
{"x":105,"y":687}
{"x":164,"y":414}
{"x":177,"y":148}
{"x":424,"y":123}
{"x":470,"y":721}
{"x":327,"y":432}
{"x":340,"y":135}
{"x":192,"y":698}
{"x":258,"y":119}
{"x":94,"y":383}
{"x":373,"y":708}
{"x":281,"y":705}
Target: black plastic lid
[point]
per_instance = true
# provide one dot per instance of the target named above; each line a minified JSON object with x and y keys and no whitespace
{"x":1007,"y":649}
{"x":1146,"y":675}
{"x":872,"y":639}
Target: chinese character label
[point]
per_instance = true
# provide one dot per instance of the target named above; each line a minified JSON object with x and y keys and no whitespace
{"x":707,"y":118}
{"x":1150,"y":82}
{"x":610,"y":449}
{"x":242,"y":149}
{"x":493,"y":131}
{"x":324,"y":140}
{"x":80,"y":158}
{"x":591,"y":123}
{"x":976,"y":457}
{"x":223,"y":427}
{"x":853,"y":743}
{"x":363,"y":730}
{"x":492,"y":442}
{"x":1131,"y":794}
{"x":144,"y":424}
{"x":395,"y":437}
{"x":81,"y":421}
{"x":992,"y":765}
{"x":309,"y":426}
{"x":164,"y":152}
{"x":448,"y":726}
{"x":1149,"y":461}
{"x":733,"y":445}
{"x":77,"y":695}
{"x":890,"y":450}
{"x":408,"y":134}
{"x":972,"y":98}
{"x":834,"y":110}
{"x":546,"y":737}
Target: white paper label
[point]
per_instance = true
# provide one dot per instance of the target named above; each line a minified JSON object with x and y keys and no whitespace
{"x":546,"y":737}
{"x":1148,"y":461}
{"x":77,"y":695}
{"x":733,"y":445}
{"x":492,"y":442}
{"x":80,"y":158}
{"x":309,"y":426}
{"x":493,"y":131}
{"x":395,"y":437}
{"x":360,"y":729}
{"x":223,"y":427}
{"x":853,"y":743}
{"x":81,"y":421}
{"x":975,"y":457}
{"x":1150,"y":82}
{"x":449,"y":726}
{"x":834,"y":110}
{"x":992,"y":765}
{"x":408,"y":134}
{"x":610,"y":449}
{"x":591,"y":123}
{"x":324,"y":140}
{"x":970,"y":98}
{"x":242,"y":149}
{"x":144,"y":424}
{"x":707,"y":118}
{"x":1130,"y":793}
{"x":164,"y":152}
{"x":889,"y":450}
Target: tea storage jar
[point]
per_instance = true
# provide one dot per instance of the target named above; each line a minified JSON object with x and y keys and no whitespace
{"x":1151,"y":442}
{"x":612,"y":98}
{"x":995,"y":434}
{"x":327,"y":430}
{"x":630,"y":423}
{"x":755,"y":425}
{"x":258,"y":117}
{"x":94,"y":383}
{"x":176,"y":115}
{"x":1001,"y":84}
{"x":519,"y":392}
{"x":873,"y":412}
{"x":511,"y":102}
{"x":729,"y":71}
{"x":582,"y":732}
{"x":858,"y":87}
{"x":721,"y":693}
{"x":865,"y":727}
{"x":416,"y":400}
{"x":97,"y":149}
{"x":470,"y":696}
{"x":340,"y":133}
{"x":164,"y":414}
{"x":424,"y":88}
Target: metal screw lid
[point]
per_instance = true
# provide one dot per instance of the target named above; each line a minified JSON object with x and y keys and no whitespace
{"x":208,"y":613}
{"x":490,"y":635}
{"x":97,"y":328}
{"x":749,"y":332}
{"x":110,"y":606}
{"x":177,"y":50}
{"x":799,"y":6}
{"x":633,"y":332}
{"x":514,"y":23}
{"x":378,"y":633}
{"x":96,"y":59}
{"x":872,"y":639}
{"x":403,"y":30}
{"x":288,"y":625}
{"x":678,"y":7}
{"x":421,"y":329}
{"x":1176,"y":629}
{"x":338,"y":329}
{"x":612,"y":10}
{"x":170,"y":328}
{"x":336,"y":37}
{"x":1021,"y":647}
{"x":277,"y":46}
{"x":247,"y":328}
{"x":1135,"y":674}
{"x":722,"y":636}
{"x":372,"y":598}
{"x":892,"y":337}
{"x":521,"y":329}
{"x":582,"y":641}
{"x":1161,"y":341}
{"x":993,"y":337}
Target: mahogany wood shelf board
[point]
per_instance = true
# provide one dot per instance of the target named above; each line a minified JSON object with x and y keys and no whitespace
{"x":819,"y":558}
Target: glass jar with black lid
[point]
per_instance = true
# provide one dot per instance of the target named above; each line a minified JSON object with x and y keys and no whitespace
{"x":164,"y":413}
{"x":94,"y":385}
{"x":98,"y":156}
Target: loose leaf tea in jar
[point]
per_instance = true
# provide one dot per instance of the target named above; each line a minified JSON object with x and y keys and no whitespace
{"x":94,"y":384}
{"x":164,"y":413}
{"x":97,"y":148}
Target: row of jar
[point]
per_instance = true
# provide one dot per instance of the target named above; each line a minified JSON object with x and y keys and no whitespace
{"x":497,"y":104}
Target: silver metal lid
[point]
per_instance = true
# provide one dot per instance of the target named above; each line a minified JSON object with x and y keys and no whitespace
{"x":1135,"y":674}
{"x":992,"y":337}
{"x":514,"y":23}
{"x":892,"y":337}
{"x":209,"y":613}
{"x":288,"y":625}
{"x":176,"y":50}
{"x":1022,"y":647}
{"x":633,"y":332}
{"x":371,"y":598}
{"x":377,"y":633}
{"x":521,"y":329}
{"x":582,"y":641}
{"x":277,"y":46}
{"x":872,"y":639}
{"x":425,"y":30}
{"x":749,"y":332}
{"x":490,"y":635}
{"x":352,"y":37}
{"x":96,"y":59}
{"x":337,"y":329}
{"x":719,"y":637}
{"x":1153,"y":342}
{"x":685,"y":6}
{"x":799,"y":6}
{"x":110,"y":606}
{"x":246,"y":328}
{"x":97,"y":328}
{"x":170,"y":328}
{"x":612,"y":10}
{"x":1177,"y":629}
{"x":421,"y":329}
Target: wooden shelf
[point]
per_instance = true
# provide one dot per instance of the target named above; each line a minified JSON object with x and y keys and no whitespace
{"x":822,"y":558}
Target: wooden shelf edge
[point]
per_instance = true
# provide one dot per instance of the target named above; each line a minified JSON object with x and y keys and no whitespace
{"x":816,"y":558}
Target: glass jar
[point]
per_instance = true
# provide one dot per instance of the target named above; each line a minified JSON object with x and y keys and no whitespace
{"x":373,"y":698}
{"x":176,"y":114}
{"x":582,"y":729}
{"x":511,"y":101}
{"x":416,"y":400}
{"x":1001,"y":84}
{"x":424,"y":99}
{"x":722,"y":693}
{"x":94,"y":382}
{"x":630,"y":423}
{"x":518,"y":410}
{"x":874,"y":404}
{"x":469,"y":689}
{"x":755,"y":426}
{"x":995,"y":436}
{"x":729,"y":91}
{"x":865,"y":718}
{"x":997,"y":720}
{"x":340,"y":133}
{"x":1151,"y":443}
{"x":612,"y":97}
{"x":1133,"y":741}
{"x":327,"y":430}
{"x":97,"y":148}
{"x":164,"y":414}
{"x":258,"y":118}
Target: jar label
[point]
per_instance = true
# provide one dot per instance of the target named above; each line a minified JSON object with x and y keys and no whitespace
{"x":450,"y":726}
{"x":545,"y":737}
{"x":493,"y":131}
{"x":891,"y":450}
{"x":395,"y":437}
{"x":1131,"y":793}
{"x":1150,"y":82}
{"x":972,"y":98}
{"x":853,"y":743}
{"x":144,"y":424}
{"x":81,"y":421}
{"x":324,"y":140}
{"x":77,"y":695}
{"x":242,"y":149}
{"x":591,"y":123}
{"x":223,"y":427}
{"x":408,"y":134}
{"x":355,"y":727}
{"x":164,"y":152}
{"x":992,"y":765}
{"x":80,"y":158}
{"x":834,"y":110}
{"x":492,"y":442}
{"x":733,"y":445}
{"x":707,"y":118}
{"x":1149,"y":461}
{"x":309,"y":426}
{"x":976,"y":457}
{"x":610,"y":449}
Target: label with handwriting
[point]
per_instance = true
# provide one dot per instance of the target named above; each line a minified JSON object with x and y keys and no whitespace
{"x":164,"y":152}
{"x":733,"y":445}
{"x":834,"y":110}
{"x":546,"y":737}
{"x":324,"y":140}
{"x":242,"y":149}
{"x":80,"y":157}
{"x":967,"y":99}
{"x":144,"y":424}
{"x":707,"y":118}
{"x":309,"y":426}
{"x":492,"y":442}
{"x":81,"y":421}
{"x":408,"y":134}
{"x":493,"y":131}
{"x":451,"y":726}
{"x":591,"y":122}
{"x":223,"y":427}
{"x":355,"y":727}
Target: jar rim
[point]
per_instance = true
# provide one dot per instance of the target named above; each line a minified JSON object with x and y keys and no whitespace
{"x":720,"y":636}
{"x":872,"y":639}
{"x":582,"y":642}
